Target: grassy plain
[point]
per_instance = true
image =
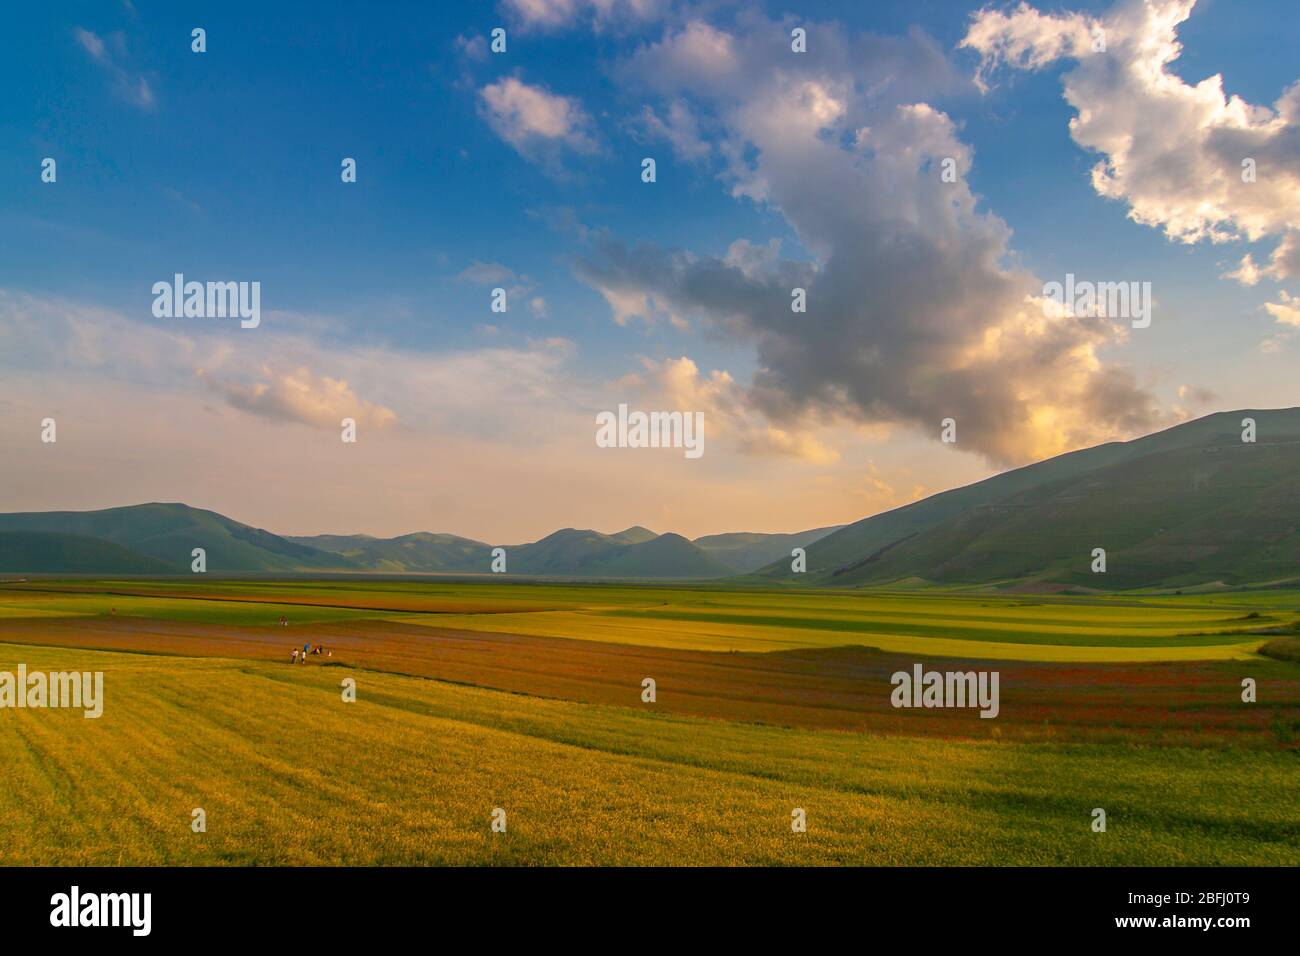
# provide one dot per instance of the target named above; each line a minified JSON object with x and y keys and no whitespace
{"x":1052,"y":628}
{"x":411,"y":772}
{"x":767,"y":701}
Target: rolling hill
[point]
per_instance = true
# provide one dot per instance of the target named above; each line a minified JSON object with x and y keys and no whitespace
{"x":158,"y":539}
{"x":634,"y":535}
{"x":580,"y":553}
{"x":635,"y":552}
{"x":46,"y":552}
{"x":746,"y":551}
{"x":166,"y":534}
{"x":1186,"y":507}
{"x":1191,"y":505}
{"x":419,"y":552}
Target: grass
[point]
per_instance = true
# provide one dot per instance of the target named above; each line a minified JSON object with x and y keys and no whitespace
{"x":1045,"y":628}
{"x":27,"y":610}
{"x":1082,"y":630}
{"x":290,"y":774}
{"x":1282,"y":649}
{"x":476,"y":695}
{"x":236,"y":612}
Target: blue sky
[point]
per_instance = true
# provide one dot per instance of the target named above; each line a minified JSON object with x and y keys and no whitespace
{"x":225,"y":165}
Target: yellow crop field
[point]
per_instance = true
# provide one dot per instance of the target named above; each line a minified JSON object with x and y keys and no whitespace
{"x":411,"y":772}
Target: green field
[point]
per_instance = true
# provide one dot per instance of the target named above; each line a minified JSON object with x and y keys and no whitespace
{"x":1050,"y":628}
{"x":289,"y":773}
{"x":957,"y":626}
{"x":410,"y":773}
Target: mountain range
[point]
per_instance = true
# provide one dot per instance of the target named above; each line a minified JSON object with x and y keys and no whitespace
{"x":158,"y":538}
{"x":1193,"y":505}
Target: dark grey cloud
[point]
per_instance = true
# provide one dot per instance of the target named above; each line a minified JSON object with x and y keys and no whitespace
{"x":916,"y":309}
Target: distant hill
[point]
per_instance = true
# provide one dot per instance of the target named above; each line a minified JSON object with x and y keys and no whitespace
{"x":578,"y":553}
{"x":1186,"y":506}
{"x":168,"y":533}
{"x":635,"y":552}
{"x":43,"y":552}
{"x":667,"y":556}
{"x":418,"y":552}
{"x":745,"y":551}
{"x":634,"y":535}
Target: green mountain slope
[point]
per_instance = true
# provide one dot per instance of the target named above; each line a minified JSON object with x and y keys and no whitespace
{"x":419,"y":552}
{"x":634,"y":535}
{"x":1189,"y":505}
{"x":667,"y":556}
{"x":584,"y":553}
{"x":44,"y":552}
{"x":746,"y":551}
{"x":170,"y":532}
{"x":635,"y":553}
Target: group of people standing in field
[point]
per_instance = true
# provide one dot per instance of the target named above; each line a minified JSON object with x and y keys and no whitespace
{"x":300,"y":656}
{"x":309,"y":648}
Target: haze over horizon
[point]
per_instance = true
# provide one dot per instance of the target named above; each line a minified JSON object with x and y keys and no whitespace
{"x":1228,"y":422}
{"x":522,"y":171}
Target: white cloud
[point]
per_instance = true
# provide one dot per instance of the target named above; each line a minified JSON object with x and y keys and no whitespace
{"x":1247,"y":273}
{"x":561,"y":14}
{"x":1193,"y":400}
{"x":530,"y":118}
{"x":92,"y":44}
{"x":484,"y":392}
{"x":1285,"y":261}
{"x":487,"y":273}
{"x":473,"y":48}
{"x":916,"y":310}
{"x":296,"y":395}
{"x":630,"y":299}
{"x":679,"y":128}
{"x":518,"y":288}
{"x":136,"y":423}
{"x":1172,"y":151}
{"x":752,"y":260}
{"x":696,"y":54}
{"x":1286,"y":309}
{"x":111,"y":53}
{"x":677,"y":385}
